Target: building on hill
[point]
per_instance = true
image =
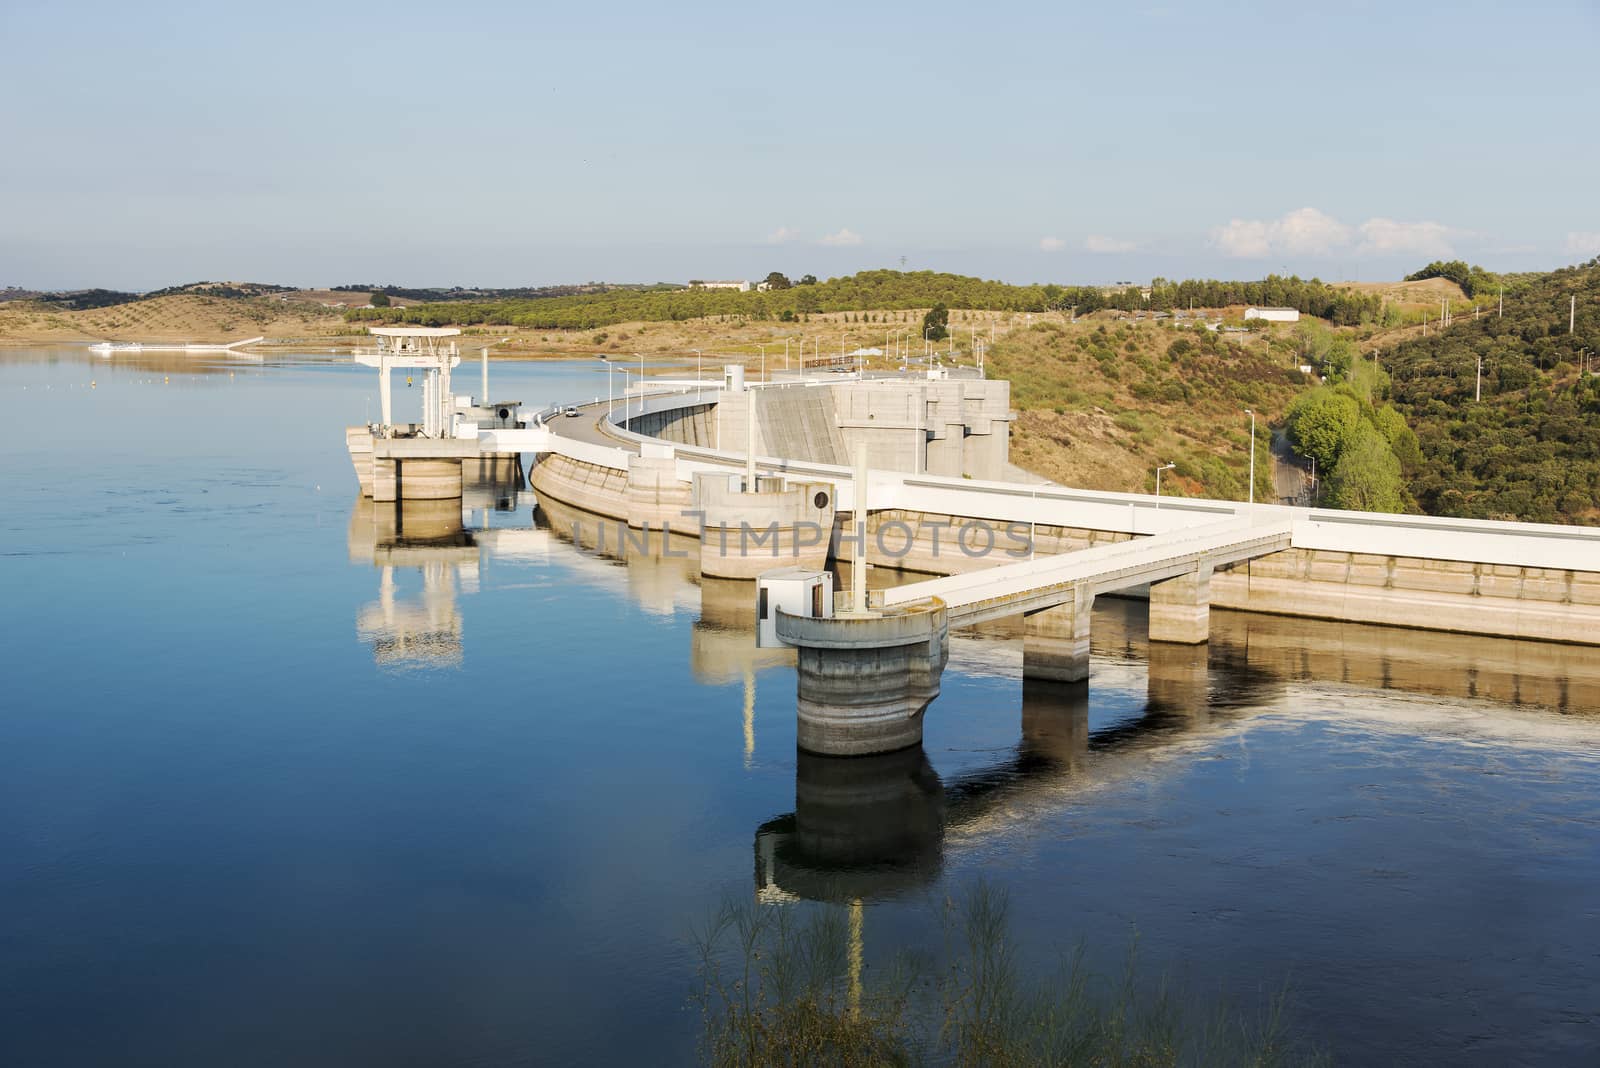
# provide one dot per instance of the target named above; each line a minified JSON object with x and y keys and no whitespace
{"x":741,"y":286}
{"x":1273,"y":315}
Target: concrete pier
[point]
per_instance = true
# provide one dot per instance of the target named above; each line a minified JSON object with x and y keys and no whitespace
{"x":1180,"y":608}
{"x":866,"y":679}
{"x":1055,"y":641}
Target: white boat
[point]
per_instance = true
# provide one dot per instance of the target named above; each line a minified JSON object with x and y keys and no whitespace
{"x":107,"y":348}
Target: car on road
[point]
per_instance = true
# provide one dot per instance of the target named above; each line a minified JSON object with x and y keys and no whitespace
{"x":571,"y":412}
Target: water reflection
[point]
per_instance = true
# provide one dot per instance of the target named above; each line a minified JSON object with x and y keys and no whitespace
{"x":431,"y":538}
{"x":863,"y":829}
{"x":875,"y":828}
{"x":427,"y":537}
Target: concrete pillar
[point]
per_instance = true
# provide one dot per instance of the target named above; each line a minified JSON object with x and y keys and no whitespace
{"x":864,"y":681}
{"x":429,"y":480}
{"x":385,"y":478}
{"x":1180,"y":680}
{"x":1180,"y":608}
{"x":1055,"y":642}
{"x":358,"y":441}
{"x":1055,"y":721}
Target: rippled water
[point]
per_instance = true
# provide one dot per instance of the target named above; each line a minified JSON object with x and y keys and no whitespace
{"x":274,"y":792}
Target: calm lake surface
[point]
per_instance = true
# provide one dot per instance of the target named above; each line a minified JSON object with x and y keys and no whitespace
{"x":269,"y":795}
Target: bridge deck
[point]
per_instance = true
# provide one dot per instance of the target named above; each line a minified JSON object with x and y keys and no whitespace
{"x":1032,"y":585}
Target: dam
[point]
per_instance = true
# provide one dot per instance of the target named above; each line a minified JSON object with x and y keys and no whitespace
{"x":907,"y":477}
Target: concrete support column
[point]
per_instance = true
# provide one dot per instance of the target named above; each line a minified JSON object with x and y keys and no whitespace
{"x":864,"y":681}
{"x":1180,"y":608}
{"x":429,"y":480}
{"x":385,"y":478}
{"x":1055,"y":642}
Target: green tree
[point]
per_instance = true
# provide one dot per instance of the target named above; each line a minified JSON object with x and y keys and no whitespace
{"x":1322,"y":423}
{"x":935,"y":325}
{"x":777,"y":280}
{"x":379,"y":300}
{"x":1340,"y":356}
{"x":1367,"y":476}
{"x":808,"y":279}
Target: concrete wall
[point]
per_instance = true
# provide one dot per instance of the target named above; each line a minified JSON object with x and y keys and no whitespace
{"x":694,"y":425}
{"x":591,"y":487}
{"x":1546,"y":604}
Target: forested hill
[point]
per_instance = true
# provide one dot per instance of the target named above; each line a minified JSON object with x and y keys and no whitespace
{"x":1530,"y":449}
{"x":873,"y":290}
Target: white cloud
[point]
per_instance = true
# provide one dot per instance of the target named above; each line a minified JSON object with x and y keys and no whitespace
{"x":1309,"y":232}
{"x":782,"y":235}
{"x":1386,"y":237}
{"x":844,"y":238}
{"x":1244,"y":238}
{"x":1051,"y":244}
{"x":1101,"y":243}
{"x":1304,"y":231}
{"x":1583,"y":243}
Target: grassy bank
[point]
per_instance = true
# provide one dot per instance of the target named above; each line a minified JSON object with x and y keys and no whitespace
{"x":777,"y":987}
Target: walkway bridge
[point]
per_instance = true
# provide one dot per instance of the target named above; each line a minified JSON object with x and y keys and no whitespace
{"x":1056,"y":593}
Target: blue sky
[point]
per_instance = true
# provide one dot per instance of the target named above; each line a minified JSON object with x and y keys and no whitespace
{"x":486,"y":144}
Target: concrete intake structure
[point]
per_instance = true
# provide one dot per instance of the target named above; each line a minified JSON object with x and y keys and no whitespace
{"x":432,"y":459}
{"x":864,"y":680}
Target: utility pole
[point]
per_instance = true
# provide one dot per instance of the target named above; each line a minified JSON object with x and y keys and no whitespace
{"x":1477,"y":392}
{"x":1572,"y":315}
{"x":1502,"y":314}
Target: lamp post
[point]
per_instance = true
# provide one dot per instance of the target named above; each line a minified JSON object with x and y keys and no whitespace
{"x":1163,"y":467}
{"x":611,"y":406}
{"x":1251,"y":413}
{"x":641,"y":382}
{"x":699,"y":390}
{"x":763,"y":349}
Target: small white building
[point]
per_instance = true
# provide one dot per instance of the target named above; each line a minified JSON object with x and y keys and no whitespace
{"x":1273,"y":315}
{"x":741,"y":286}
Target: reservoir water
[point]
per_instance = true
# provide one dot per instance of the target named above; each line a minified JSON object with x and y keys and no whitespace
{"x":269,"y":795}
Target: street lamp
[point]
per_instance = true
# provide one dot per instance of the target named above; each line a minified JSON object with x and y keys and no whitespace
{"x":763,"y":349}
{"x":1251,"y":413}
{"x":1164,"y":467}
{"x":698,"y":388}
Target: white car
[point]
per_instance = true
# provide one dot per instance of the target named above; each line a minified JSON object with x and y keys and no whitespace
{"x":571,"y":412}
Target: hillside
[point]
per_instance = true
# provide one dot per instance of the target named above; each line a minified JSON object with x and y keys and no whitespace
{"x":182,"y":317}
{"x":1102,"y":405}
{"x":1530,"y":449}
{"x":877,"y":290}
